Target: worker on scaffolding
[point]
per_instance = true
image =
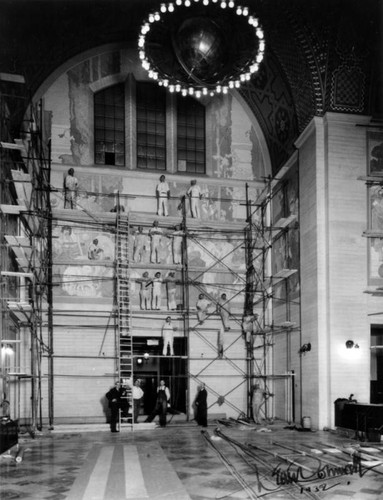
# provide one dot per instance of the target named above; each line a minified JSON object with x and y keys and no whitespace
{"x":168,"y":336}
{"x":163,"y":195}
{"x":249,"y":326}
{"x":156,"y":284}
{"x":70,"y":190}
{"x":202,"y":307}
{"x":145,"y":292}
{"x":155,"y":234}
{"x":177,"y":236}
{"x":223,"y":309}
{"x":171,"y":289}
{"x":194,"y":194}
{"x":257,"y":400}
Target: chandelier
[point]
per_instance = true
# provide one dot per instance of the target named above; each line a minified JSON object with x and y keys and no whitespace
{"x":201,"y":47}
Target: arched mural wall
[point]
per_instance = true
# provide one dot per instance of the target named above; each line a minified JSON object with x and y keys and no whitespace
{"x":236,"y":155}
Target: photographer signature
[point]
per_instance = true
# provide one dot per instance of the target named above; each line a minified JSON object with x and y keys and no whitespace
{"x":297,"y":474}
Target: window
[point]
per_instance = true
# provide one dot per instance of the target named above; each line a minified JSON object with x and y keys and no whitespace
{"x":109,"y":126}
{"x":190,"y":136}
{"x":151,"y":126}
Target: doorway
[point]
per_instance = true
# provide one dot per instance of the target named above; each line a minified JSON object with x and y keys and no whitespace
{"x":376,"y":378}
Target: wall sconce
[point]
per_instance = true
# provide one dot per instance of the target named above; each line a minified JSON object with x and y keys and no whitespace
{"x":140,"y":360}
{"x":350,"y":344}
{"x":7,"y":349}
{"x":305,"y":348}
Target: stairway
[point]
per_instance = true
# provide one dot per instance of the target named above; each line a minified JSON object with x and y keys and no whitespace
{"x":124,"y":341}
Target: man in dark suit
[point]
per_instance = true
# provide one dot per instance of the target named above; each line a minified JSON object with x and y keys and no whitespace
{"x":114,"y":396}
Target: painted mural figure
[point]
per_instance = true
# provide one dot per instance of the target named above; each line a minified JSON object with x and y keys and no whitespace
{"x":223,"y":309}
{"x":70,"y":190}
{"x":168,"y":337}
{"x":140,"y":242}
{"x":155,"y":234}
{"x":171,"y":290}
{"x":145,"y":292}
{"x":163,"y":195}
{"x":94,"y":251}
{"x":202,"y":308}
{"x":139,"y":245}
{"x":156,"y":283}
{"x":194,"y":194}
{"x":68,"y":245}
{"x":177,"y":236}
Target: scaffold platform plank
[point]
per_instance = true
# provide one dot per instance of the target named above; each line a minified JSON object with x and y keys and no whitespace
{"x":13,"y":209}
{"x":18,"y":274}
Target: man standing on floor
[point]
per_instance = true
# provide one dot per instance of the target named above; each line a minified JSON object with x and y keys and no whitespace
{"x":138,"y":394}
{"x":163,"y":398}
{"x":114,"y":396}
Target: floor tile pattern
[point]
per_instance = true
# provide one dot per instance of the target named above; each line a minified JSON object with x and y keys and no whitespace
{"x":180,"y":462}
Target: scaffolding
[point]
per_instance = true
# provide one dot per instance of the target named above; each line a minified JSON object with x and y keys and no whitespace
{"x":246,"y":271}
{"x":25,"y":266}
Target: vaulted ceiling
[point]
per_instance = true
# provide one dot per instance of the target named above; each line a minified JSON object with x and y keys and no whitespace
{"x":321,"y":55}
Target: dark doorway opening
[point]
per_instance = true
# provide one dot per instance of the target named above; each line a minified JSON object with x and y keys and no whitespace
{"x":376,"y":384}
{"x":154,"y":367}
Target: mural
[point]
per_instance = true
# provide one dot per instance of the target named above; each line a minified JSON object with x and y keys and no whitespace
{"x":101,"y":193}
{"x":375,"y":195}
{"x":83,"y":261}
{"x":375,"y":153}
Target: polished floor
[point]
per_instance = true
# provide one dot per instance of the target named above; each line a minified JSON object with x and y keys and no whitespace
{"x":226,"y":460}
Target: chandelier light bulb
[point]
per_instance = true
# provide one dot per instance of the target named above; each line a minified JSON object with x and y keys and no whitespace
{"x":151,"y":18}
{"x":245,"y":11}
{"x":206,"y":2}
{"x":239,"y":11}
{"x":171,"y":7}
{"x":163,"y":7}
{"x":198,"y":94}
{"x":187,"y":3}
{"x":223,"y":5}
{"x":231,"y":4}
{"x":157,"y":16}
{"x":224,"y":90}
